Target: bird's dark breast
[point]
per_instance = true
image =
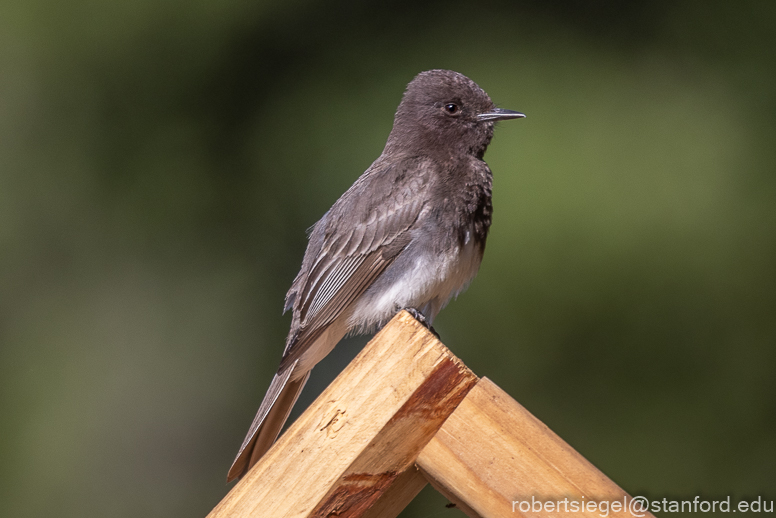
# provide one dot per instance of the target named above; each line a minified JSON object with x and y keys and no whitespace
{"x":481,"y":217}
{"x":469,"y":191}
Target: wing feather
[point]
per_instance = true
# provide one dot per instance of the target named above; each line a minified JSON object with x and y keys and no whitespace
{"x":351,"y":246}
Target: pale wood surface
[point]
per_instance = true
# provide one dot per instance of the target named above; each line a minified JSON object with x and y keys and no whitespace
{"x":492,"y":452}
{"x":399,"y":495}
{"x":361,"y":436}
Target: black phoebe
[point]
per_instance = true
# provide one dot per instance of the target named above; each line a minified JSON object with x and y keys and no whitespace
{"x":409,"y":234}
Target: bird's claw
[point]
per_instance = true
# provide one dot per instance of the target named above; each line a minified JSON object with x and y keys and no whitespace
{"x":417,"y":315}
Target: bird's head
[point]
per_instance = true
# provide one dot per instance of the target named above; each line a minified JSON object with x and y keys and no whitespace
{"x":444,"y":112}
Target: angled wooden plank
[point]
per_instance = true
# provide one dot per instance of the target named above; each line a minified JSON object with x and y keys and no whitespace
{"x":358,"y":439}
{"x":404,"y":489}
{"x":491,"y":454}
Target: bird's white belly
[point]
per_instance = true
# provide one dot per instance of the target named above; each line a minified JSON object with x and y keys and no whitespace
{"x":424,"y":281}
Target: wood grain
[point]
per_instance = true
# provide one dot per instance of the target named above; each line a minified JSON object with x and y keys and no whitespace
{"x":358,"y":441}
{"x":491,"y":453}
{"x":404,"y":489}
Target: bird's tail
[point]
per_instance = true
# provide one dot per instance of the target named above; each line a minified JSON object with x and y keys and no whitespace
{"x":269,"y":420}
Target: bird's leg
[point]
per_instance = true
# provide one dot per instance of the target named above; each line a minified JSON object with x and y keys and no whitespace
{"x":422,"y":319}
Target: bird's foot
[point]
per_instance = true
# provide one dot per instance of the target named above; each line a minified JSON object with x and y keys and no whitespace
{"x":422,"y":319}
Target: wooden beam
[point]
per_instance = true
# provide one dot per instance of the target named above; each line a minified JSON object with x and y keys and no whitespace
{"x":406,"y":487}
{"x":358,"y":441}
{"x":491,"y":454}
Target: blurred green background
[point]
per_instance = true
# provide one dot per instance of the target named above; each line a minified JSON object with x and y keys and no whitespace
{"x":161,"y":160}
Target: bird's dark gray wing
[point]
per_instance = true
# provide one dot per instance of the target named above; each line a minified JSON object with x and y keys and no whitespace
{"x":351,"y":246}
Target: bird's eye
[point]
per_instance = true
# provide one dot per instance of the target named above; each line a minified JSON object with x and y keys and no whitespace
{"x":452,"y":108}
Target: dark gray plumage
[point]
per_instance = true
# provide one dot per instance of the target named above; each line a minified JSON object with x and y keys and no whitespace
{"x":409,"y":233}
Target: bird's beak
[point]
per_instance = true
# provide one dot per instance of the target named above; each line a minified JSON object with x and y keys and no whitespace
{"x":500,"y":114}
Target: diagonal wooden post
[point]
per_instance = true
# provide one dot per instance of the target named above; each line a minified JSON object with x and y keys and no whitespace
{"x":358,"y":441}
{"x":493,"y":458}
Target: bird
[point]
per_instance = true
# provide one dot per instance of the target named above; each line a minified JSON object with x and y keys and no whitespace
{"x":408,"y":234}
